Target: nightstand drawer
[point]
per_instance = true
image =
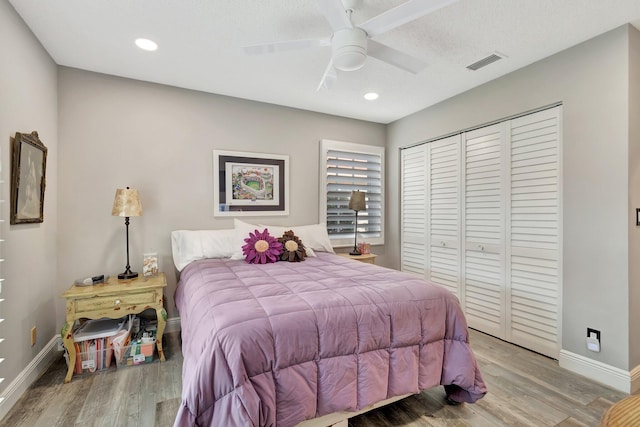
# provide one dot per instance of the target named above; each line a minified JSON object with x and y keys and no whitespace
{"x":102,"y":303}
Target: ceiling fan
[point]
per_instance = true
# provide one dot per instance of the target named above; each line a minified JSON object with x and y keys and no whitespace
{"x":351,"y":44}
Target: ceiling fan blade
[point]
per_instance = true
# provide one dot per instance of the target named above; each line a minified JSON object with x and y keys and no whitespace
{"x":328,"y":78}
{"x":335,"y":13}
{"x":283,"y":46}
{"x":395,"y":57}
{"x":399,"y":15}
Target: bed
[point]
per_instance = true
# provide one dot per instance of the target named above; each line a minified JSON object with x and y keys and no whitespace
{"x":280,"y":343}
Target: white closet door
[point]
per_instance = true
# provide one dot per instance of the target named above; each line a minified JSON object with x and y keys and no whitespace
{"x":414,"y":210}
{"x":443,"y":213}
{"x":483,"y":227}
{"x":533,"y":227}
{"x":481,"y":216}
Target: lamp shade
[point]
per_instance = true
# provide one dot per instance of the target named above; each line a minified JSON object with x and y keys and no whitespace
{"x":356,"y":202}
{"x":126,"y":203}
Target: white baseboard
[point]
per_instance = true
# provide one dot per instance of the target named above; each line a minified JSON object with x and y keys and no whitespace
{"x":29,"y":375}
{"x":40,"y":364}
{"x":611,"y":376}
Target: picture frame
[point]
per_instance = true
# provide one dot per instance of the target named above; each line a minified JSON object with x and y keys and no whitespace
{"x":248,"y":183}
{"x":28,"y":172}
{"x":150,"y":264}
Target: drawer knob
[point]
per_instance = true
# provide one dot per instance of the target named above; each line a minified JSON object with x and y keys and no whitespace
{"x":117,"y":302}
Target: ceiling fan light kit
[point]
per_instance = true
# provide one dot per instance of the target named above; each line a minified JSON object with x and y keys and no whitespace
{"x":349,"y":48}
{"x":351,"y":44}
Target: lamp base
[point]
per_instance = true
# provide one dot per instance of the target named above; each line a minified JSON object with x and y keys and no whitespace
{"x":127,"y":275}
{"x":355,"y":252}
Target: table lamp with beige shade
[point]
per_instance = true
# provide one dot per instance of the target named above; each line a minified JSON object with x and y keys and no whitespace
{"x":127,"y":204}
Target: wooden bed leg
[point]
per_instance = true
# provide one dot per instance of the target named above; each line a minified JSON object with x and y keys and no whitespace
{"x":343,"y":423}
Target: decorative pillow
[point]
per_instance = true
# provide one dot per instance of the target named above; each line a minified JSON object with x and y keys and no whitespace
{"x":314,"y":236}
{"x":191,"y":245}
{"x":261,"y":248}
{"x":292,"y":248}
{"x":242,"y":229}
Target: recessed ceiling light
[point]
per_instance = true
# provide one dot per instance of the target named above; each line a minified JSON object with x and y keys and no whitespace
{"x":146,"y":44}
{"x":370,"y":96}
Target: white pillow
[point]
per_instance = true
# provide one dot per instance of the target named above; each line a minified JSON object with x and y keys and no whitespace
{"x":314,"y":236}
{"x":191,"y":245}
{"x":241,"y":232}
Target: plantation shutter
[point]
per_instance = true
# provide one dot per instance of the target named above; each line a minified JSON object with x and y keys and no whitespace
{"x":350,"y":167}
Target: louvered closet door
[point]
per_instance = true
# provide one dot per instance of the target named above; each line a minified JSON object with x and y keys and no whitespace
{"x":414,"y":210}
{"x":443,"y":213}
{"x":483,"y":228}
{"x":534,"y":232}
{"x":481,"y":216}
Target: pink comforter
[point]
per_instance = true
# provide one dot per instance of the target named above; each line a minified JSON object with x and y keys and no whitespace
{"x":275,"y":344}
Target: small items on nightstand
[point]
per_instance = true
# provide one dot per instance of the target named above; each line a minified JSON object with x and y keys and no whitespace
{"x":150,"y":264}
{"x":94,"y":280}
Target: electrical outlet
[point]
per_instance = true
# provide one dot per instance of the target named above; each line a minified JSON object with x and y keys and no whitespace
{"x":33,"y":336}
{"x":593,"y":340}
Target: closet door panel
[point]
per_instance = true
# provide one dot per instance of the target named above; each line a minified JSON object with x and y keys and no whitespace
{"x":414,"y":211}
{"x":483,"y":224}
{"x":444,"y":213}
{"x":534,"y":232}
{"x":481,"y":216}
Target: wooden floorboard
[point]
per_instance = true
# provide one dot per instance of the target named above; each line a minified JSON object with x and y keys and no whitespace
{"x":525,"y":389}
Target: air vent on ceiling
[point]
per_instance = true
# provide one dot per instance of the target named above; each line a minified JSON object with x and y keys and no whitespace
{"x":495,"y":56}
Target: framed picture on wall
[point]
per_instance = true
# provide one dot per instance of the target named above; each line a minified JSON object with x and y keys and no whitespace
{"x":28,"y":167}
{"x":250,"y":183}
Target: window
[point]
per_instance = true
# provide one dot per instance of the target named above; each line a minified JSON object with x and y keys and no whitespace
{"x":345,"y":167}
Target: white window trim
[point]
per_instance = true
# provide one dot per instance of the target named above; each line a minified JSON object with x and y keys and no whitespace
{"x":325,"y":146}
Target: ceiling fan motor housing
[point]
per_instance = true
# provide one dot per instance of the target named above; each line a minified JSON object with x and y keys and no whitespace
{"x":349,"y":48}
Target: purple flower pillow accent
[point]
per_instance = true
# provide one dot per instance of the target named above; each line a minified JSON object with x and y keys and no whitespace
{"x":261,"y":248}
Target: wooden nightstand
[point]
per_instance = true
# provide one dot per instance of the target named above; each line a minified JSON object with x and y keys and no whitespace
{"x":113,"y":299}
{"x":368,"y":258}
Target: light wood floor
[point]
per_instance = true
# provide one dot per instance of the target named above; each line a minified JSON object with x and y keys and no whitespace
{"x":525,"y":389}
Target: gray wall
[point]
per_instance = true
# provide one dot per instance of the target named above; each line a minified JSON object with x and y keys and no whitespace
{"x":634,"y":197}
{"x":116,"y":132}
{"x":592,"y":82}
{"x":28,"y":102}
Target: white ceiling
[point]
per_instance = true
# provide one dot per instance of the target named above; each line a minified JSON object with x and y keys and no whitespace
{"x":200,"y":46}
